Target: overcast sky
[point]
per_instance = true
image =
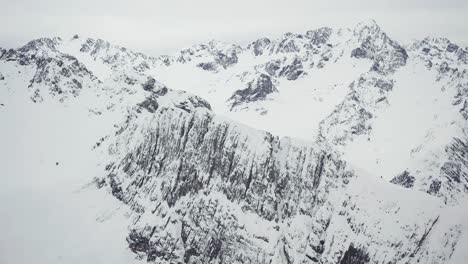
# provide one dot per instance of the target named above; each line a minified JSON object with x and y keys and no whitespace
{"x":156,"y":26}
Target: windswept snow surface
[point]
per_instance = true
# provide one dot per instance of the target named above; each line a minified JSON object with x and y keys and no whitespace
{"x":48,"y":212}
{"x":419,"y":120}
{"x":295,"y":111}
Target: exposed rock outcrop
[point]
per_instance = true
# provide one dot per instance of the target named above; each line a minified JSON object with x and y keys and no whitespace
{"x":257,"y":89}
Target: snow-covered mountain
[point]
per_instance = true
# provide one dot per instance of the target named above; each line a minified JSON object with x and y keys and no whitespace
{"x":332,"y":146}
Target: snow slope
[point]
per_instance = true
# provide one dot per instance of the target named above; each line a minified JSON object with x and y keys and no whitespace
{"x":48,"y":214}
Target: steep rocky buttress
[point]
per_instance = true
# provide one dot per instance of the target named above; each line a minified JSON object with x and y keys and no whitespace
{"x":204,"y":189}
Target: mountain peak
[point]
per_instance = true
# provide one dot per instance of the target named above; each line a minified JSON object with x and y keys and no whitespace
{"x":41,"y":44}
{"x":366,"y":28}
{"x":367,"y":23}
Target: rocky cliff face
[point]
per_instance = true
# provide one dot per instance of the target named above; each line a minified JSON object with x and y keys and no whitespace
{"x":209,"y":153}
{"x":197,"y":172}
{"x":204,"y":189}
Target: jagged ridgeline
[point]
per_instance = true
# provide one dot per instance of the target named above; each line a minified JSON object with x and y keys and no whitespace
{"x":204,"y":189}
{"x":196,"y":172}
{"x":206,"y":183}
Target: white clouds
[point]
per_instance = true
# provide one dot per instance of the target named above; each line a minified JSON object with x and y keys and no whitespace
{"x":162,"y":26}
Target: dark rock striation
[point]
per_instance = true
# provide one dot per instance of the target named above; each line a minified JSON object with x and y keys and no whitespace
{"x":257,"y":89}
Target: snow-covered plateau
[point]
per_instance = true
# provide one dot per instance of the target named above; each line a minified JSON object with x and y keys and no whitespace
{"x":328,"y":146}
